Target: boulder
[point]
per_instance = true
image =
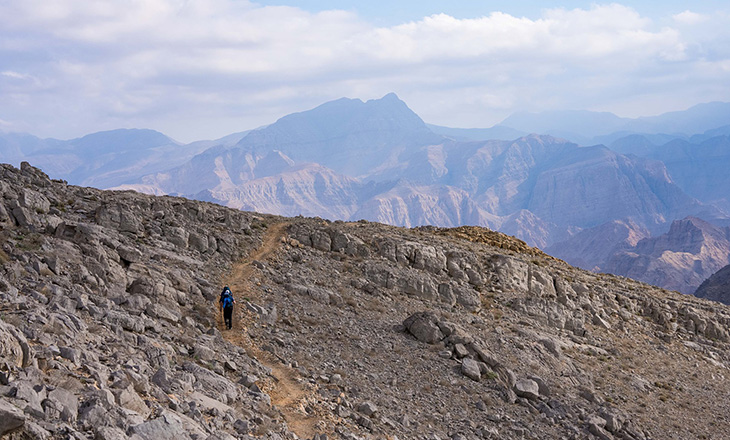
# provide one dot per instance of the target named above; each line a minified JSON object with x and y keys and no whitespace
{"x":11,"y":418}
{"x":415,"y":284}
{"x":65,"y":402}
{"x":111,"y":433}
{"x":468,"y":298}
{"x":198,"y":242}
{"x":25,"y":218}
{"x":167,"y":426}
{"x":424,"y":327}
{"x":367,"y":408}
{"x":470,"y":368}
{"x":34,"y":201}
{"x":168,"y":313}
{"x":129,"y":254}
{"x":25,"y":391}
{"x":129,"y":399}
{"x":212,"y":384}
{"x":527,"y":388}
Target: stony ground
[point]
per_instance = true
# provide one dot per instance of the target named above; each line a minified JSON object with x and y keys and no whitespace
{"x":110,"y":330}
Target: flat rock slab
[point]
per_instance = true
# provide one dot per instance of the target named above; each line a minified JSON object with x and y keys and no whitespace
{"x":208,"y":403}
{"x":11,"y":418}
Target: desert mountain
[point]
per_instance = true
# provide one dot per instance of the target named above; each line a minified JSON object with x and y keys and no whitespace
{"x":347,"y":135}
{"x":591,"y":248}
{"x":584,"y":126}
{"x":104,"y":159}
{"x":110,"y":329}
{"x":716,"y":287}
{"x":377,"y":160}
{"x":680,"y":259}
{"x":699,"y":167}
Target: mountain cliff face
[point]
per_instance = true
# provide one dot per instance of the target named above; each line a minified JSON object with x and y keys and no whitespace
{"x":716,"y":287}
{"x":110,"y":330}
{"x":591,"y":248}
{"x":680,"y":259}
{"x":699,"y":168}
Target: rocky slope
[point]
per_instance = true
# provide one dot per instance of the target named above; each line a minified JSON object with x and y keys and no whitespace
{"x":107,"y":324}
{"x":343,"y":330}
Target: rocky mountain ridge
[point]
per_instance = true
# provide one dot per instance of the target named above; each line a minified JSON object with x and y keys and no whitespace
{"x":343,"y":330}
{"x":377,"y":160}
{"x":536,"y":187}
{"x":104,"y":159}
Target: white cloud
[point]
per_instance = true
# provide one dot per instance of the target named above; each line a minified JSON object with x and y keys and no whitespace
{"x":689,"y":18}
{"x":14,"y":75}
{"x":185,"y":66}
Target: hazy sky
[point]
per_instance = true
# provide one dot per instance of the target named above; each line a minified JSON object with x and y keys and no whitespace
{"x":197,"y":69}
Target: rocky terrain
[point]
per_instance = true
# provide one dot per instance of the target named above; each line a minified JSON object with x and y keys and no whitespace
{"x":343,"y":330}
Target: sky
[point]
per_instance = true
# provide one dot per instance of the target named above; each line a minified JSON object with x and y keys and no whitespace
{"x":202,"y":69}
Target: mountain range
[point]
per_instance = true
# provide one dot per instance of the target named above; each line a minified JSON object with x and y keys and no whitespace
{"x":377,"y":160}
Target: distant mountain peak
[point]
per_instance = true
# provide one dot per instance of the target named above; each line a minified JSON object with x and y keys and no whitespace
{"x":346,"y":134}
{"x":123,"y":139}
{"x":389,"y":97}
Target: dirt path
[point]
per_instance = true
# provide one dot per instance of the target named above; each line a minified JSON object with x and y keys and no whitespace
{"x":287,"y":393}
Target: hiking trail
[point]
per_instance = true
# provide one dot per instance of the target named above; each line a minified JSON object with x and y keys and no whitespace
{"x":287,"y":391}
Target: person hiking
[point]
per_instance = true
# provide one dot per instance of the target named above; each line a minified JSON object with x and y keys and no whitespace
{"x":226,"y":305}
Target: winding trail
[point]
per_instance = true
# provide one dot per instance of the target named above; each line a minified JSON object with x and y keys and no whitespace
{"x":284,"y":386}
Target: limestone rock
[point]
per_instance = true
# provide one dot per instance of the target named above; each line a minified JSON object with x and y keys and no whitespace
{"x":527,"y":388}
{"x":14,"y":348}
{"x":470,"y":368}
{"x":11,"y":418}
{"x":168,"y":426}
{"x":424,"y":327}
{"x":367,"y":409}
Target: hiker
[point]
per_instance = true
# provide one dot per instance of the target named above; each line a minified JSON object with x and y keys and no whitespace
{"x":226,"y":303}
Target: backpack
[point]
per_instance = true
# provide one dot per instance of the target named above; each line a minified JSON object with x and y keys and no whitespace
{"x":227,"y":299}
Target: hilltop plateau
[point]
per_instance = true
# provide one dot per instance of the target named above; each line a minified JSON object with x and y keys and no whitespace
{"x":346,"y":330}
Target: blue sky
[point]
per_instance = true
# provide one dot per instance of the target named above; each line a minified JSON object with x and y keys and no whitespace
{"x":197,"y":69}
{"x":397,"y":12}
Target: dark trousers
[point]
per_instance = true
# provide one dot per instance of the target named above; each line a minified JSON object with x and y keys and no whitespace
{"x":228,"y":316}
